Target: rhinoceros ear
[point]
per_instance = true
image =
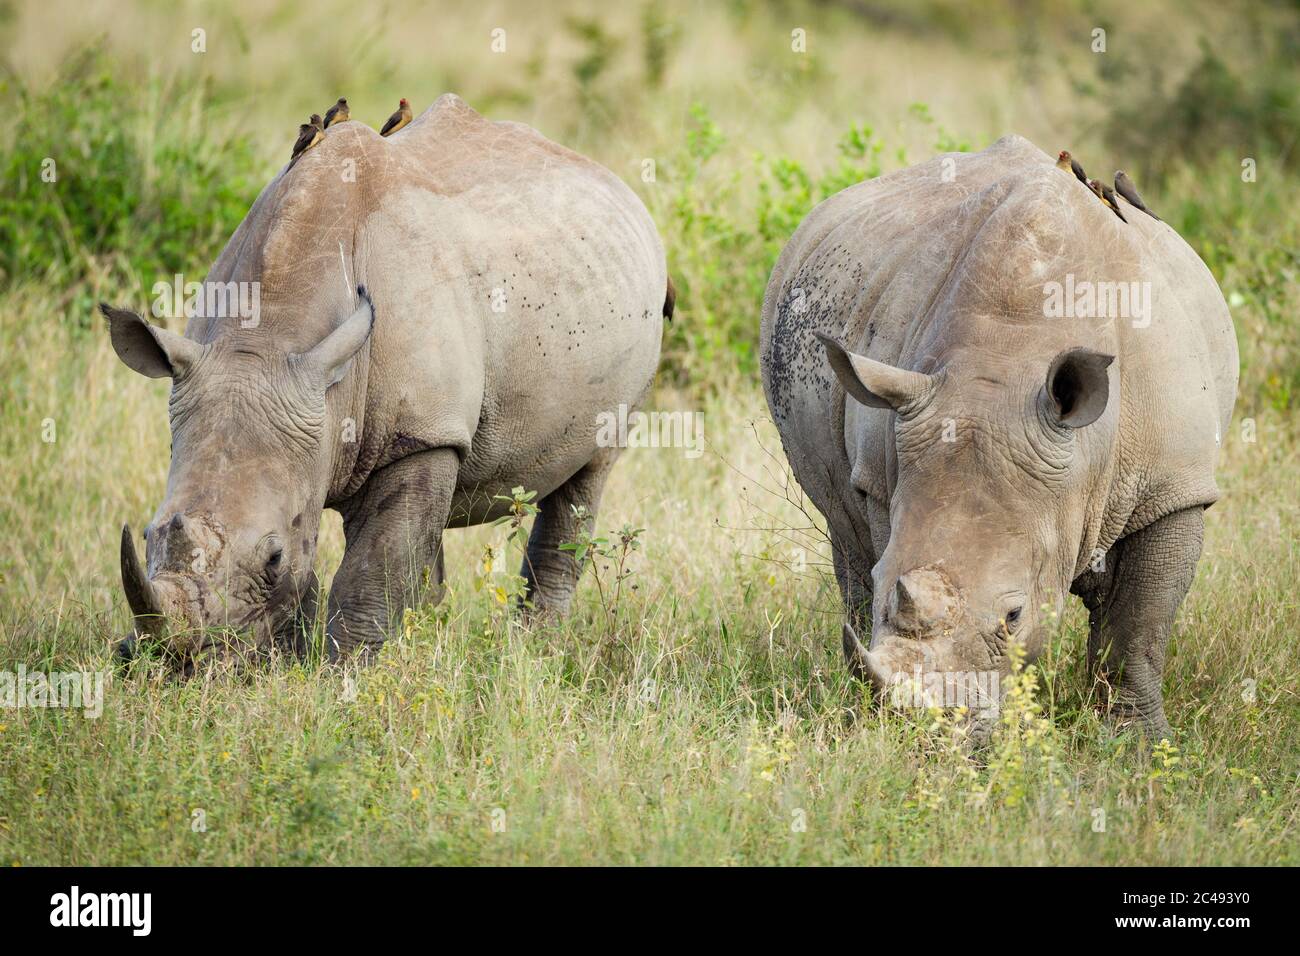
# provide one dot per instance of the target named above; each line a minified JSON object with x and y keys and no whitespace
{"x":146,"y":348}
{"x":1078,"y":386}
{"x":873,"y":383}
{"x":331,"y":356}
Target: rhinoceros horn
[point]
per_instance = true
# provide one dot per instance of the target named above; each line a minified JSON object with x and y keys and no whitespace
{"x":862,"y":662}
{"x":140,"y":592}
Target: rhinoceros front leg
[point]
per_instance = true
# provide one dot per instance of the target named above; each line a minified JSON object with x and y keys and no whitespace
{"x":549,"y":573}
{"x":393,"y":527}
{"x":1131,"y":609}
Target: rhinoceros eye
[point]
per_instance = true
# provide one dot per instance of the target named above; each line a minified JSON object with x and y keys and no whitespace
{"x":274,"y":562}
{"x":1013,"y":618}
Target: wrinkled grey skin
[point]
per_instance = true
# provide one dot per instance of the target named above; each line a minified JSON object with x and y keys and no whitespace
{"x":514,"y":291}
{"x":976,"y":460}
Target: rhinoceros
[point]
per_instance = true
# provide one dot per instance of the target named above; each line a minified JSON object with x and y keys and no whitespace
{"x":998,"y":393}
{"x":443,"y":315}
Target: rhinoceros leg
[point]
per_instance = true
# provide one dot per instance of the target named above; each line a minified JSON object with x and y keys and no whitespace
{"x":1131,"y":609}
{"x":393,"y":527}
{"x":552,"y":574}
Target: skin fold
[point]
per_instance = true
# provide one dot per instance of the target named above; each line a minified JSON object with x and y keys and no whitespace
{"x":977,"y":455}
{"x":513,"y":292}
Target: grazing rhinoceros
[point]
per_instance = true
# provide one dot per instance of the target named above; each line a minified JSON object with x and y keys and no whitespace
{"x":987,"y":425}
{"x":515,"y":291}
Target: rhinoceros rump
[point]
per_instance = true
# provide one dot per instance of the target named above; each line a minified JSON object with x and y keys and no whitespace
{"x":997,"y":392}
{"x":516,"y":290}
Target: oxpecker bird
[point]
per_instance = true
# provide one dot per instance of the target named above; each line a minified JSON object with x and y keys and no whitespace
{"x":1112,"y":201}
{"x":1106,"y":195}
{"x":309,"y":134}
{"x":337,"y":113}
{"x":1124,"y":186}
{"x":1071,"y":165}
{"x":398,"y":119}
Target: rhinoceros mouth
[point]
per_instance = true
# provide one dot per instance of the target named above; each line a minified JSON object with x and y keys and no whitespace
{"x":891,"y":658}
{"x":176,"y":610}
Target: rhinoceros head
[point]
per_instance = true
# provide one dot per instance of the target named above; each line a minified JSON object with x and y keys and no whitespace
{"x":987,"y":507}
{"x":232,"y":544}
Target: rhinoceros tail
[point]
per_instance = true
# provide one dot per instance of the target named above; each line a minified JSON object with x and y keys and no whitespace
{"x":670,"y":300}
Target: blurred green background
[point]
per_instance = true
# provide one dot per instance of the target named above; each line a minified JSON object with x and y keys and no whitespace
{"x":160,"y":149}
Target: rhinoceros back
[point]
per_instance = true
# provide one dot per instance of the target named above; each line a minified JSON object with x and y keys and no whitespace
{"x":518,"y":289}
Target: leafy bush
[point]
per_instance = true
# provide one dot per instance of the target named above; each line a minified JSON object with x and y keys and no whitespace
{"x":143,"y":186}
{"x":721,"y":251}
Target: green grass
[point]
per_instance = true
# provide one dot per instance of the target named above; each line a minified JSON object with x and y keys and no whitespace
{"x":706,"y":717}
{"x":707,"y":721}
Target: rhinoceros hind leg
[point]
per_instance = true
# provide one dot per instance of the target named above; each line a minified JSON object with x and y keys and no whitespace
{"x":1131,"y":609}
{"x":551,"y":575}
{"x":393,"y":559}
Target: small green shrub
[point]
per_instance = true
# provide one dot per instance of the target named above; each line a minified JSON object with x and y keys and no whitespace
{"x":143,"y":185}
{"x":722,"y":249}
